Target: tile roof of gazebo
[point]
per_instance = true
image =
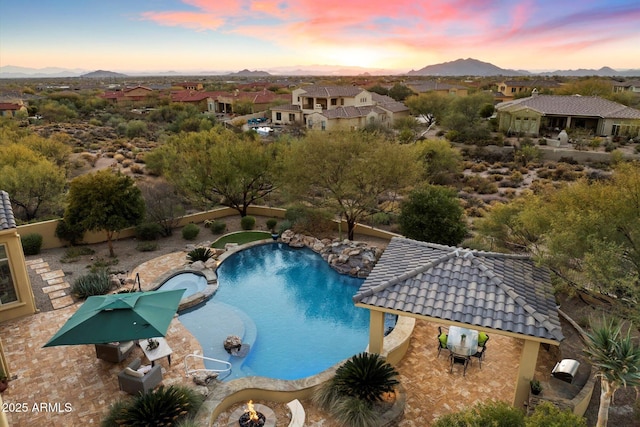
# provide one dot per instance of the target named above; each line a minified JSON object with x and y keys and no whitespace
{"x":484,"y":289}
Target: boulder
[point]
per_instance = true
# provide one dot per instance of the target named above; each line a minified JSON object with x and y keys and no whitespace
{"x":204,"y":378}
{"x":232,"y":343}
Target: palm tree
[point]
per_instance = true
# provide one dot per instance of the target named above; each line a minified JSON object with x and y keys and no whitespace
{"x":616,"y":359}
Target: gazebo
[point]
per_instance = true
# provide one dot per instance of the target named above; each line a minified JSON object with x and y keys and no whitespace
{"x":492,"y":292}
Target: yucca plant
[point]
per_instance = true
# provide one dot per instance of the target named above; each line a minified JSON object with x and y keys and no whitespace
{"x":164,"y":406}
{"x":199,"y":254}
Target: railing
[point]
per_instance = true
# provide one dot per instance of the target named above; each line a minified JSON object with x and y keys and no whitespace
{"x":206,"y":370}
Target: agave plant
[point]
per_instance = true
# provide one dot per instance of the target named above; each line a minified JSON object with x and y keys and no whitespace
{"x":199,"y":254}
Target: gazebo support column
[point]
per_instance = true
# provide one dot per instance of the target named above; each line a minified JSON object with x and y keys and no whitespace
{"x":376,"y":331}
{"x":528,"y":361}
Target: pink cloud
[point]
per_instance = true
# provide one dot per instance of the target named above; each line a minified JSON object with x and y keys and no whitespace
{"x":437,"y":25}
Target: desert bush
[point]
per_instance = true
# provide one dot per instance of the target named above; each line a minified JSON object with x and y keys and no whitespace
{"x":217,"y":227}
{"x":118,"y":157}
{"x":31,"y":244}
{"x":190,"y":231}
{"x":93,"y":283}
{"x":148,"y":231}
{"x":146,"y":246}
{"x":127,"y":163}
{"x":137,"y":169}
{"x":248,"y":222}
{"x":381,"y":218}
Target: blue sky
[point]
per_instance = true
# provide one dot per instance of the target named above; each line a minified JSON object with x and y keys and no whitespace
{"x":399,"y":35}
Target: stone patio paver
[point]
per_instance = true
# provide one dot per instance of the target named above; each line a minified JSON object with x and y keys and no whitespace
{"x":54,"y":288}
{"x":52,"y":275}
{"x":61,"y":302}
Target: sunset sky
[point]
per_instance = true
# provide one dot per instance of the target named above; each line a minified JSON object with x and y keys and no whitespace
{"x":398,"y":35}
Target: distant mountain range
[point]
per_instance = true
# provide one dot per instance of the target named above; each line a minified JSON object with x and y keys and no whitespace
{"x":459,"y":67}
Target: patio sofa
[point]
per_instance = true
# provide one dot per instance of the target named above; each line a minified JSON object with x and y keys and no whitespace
{"x":134,"y":382}
{"x":114,"y":352}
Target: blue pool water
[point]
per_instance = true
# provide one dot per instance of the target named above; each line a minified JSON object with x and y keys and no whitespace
{"x":295,"y":312}
{"x":190,"y":282}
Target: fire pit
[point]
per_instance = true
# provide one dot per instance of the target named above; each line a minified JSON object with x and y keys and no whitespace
{"x":251,"y":418}
{"x":252,"y":415}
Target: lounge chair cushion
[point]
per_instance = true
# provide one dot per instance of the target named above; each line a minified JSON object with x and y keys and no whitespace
{"x":133,"y":373}
{"x":144,"y":369}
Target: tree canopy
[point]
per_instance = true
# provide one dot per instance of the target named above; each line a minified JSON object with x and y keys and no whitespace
{"x":433,"y":214}
{"x":104,"y":201}
{"x":218,"y":166}
{"x":348,"y":172}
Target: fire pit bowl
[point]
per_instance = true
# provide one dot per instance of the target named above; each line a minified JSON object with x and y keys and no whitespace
{"x":265,"y":414}
{"x":245,"y":420}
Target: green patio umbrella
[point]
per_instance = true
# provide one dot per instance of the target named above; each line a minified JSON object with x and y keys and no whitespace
{"x":119,"y":317}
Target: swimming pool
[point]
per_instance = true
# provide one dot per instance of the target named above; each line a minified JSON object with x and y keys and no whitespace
{"x":289,"y":305}
{"x":191,"y":282}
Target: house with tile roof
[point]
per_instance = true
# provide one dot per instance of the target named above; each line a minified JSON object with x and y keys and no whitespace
{"x":16,"y":295}
{"x":337,"y":107}
{"x":10,"y":109}
{"x":542,"y":114}
{"x":490,"y":292}
{"x":427,"y":86}
{"x":128,"y":95}
{"x":510,"y":88}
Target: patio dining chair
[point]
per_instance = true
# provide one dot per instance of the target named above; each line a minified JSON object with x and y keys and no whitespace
{"x":480,"y":354}
{"x":442,"y":341}
{"x":460,"y":359}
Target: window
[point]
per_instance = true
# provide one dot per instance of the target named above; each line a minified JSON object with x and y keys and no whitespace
{"x":513,"y":90}
{"x":292,"y":117}
{"x":278,"y":116}
{"x":324,"y":125}
{"x":7,"y":289}
{"x":334,"y":101}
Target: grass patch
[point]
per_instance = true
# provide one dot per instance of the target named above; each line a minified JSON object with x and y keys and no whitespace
{"x":74,"y":253}
{"x":240,"y":238}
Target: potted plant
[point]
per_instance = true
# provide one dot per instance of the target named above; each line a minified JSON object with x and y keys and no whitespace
{"x":4,"y":381}
{"x":536,"y":387}
{"x":271,"y":225}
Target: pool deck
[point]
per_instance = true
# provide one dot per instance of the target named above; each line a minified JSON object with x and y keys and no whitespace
{"x":73,"y":375}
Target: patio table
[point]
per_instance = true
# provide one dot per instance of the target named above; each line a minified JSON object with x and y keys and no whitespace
{"x":163,"y":350}
{"x":465,"y":347}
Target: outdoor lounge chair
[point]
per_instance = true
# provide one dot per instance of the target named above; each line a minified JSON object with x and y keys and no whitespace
{"x":442,"y":341}
{"x":134,"y":382}
{"x":114,"y":352}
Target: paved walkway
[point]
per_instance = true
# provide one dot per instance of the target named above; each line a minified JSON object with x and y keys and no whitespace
{"x":58,"y":289}
{"x":73,"y":375}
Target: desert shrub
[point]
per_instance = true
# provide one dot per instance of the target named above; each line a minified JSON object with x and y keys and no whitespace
{"x":73,"y":253}
{"x":127,"y":163}
{"x":118,"y":158}
{"x":248,"y":222}
{"x":218,"y":227}
{"x":136,"y":168}
{"x":71,"y":233}
{"x":93,"y":283}
{"x":199,"y":254}
{"x":479,"y":167}
{"x":271,"y":224}
{"x":307,"y":220}
{"x":381,"y":218}
{"x":284,"y":226}
{"x":190,"y":231}
{"x":31,"y":244}
{"x":148,"y":231}
{"x":147,"y":246}
{"x":162,"y":406}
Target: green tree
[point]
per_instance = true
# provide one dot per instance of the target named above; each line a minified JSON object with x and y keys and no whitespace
{"x":429,"y":103}
{"x":33,"y":182}
{"x":616,"y":360}
{"x":400,"y":92}
{"x":104,"y":201}
{"x":347,"y":172}
{"x":441,"y":161}
{"x":218,"y":166}
{"x":433,"y":214}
